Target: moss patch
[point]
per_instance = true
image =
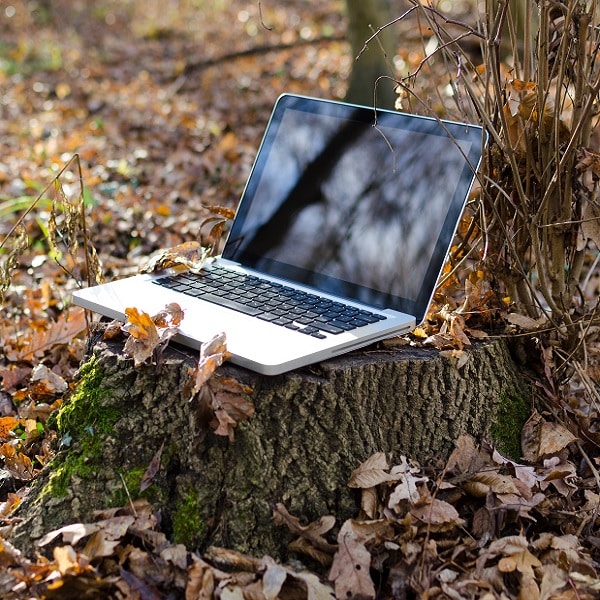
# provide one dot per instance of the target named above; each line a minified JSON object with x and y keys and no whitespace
{"x":188,"y":526}
{"x":84,"y":413}
{"x":84,"y":420}
{"x":512,"y":413}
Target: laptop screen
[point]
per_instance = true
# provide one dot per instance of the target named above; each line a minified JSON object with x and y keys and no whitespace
{"x":357,"y":207}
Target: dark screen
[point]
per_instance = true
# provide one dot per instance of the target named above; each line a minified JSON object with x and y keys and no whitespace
{"x":354,"y":207}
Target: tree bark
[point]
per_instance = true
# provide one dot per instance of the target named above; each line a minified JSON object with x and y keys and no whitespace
{"x":311,"y":429}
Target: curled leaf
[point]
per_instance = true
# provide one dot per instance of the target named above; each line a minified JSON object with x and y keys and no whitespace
{"x":189,"y":255}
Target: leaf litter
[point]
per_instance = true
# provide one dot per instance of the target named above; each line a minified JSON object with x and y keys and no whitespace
{"x":480,"y":525}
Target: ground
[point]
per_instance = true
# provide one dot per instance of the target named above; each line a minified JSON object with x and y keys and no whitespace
{"x":164,"y":104}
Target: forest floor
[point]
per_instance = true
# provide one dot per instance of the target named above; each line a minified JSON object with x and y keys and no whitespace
{"x":164,"y":104}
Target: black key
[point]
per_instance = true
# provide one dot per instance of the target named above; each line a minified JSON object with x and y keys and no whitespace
{"x":342,"y":325}
{"x":309,"y":330}
{"x":247,"y":310}
{"x":282,"y":321}
{"x":330,"y":328}
{"x":344,"y":318}
{"x":358,"y":322}
{"x":370,"y":318}
{"x":304,"y":320}
{"x":267,"y":316}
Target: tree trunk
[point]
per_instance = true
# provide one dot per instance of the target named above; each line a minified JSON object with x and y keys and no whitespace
{"x":372,"y":70}
{"x":310,"y":430}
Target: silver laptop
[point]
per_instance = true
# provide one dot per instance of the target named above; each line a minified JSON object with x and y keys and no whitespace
{"x":338,"y":241}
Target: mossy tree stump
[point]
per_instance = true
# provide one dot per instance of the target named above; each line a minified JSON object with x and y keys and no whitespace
{"x":310,"y":430}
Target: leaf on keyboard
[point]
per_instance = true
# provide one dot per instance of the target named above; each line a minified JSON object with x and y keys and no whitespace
{"x":189,"y":255}
{"x":148,"y":336}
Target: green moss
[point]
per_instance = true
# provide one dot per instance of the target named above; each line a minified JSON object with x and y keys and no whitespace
{"x":512,"y":413}
{"x":188,"y":526}
{"x":85,"y":412}
{"x":129,"y":487}
{"x":84,"y":420}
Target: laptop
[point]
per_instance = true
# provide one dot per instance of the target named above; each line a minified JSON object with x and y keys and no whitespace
{"x":338,"y":241}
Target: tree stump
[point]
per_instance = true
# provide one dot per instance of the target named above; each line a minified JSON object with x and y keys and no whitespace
{"x":310,"y":430}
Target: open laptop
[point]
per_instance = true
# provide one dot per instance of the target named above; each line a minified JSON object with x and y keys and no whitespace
{"x":339,"y":239}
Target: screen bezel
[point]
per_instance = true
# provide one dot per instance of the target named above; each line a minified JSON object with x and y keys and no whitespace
{"x":472,"y":134}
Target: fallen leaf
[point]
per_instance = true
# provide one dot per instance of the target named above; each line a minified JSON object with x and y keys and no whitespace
{"x":313,"y":532}
{"x":212,"y":355}
{"x":372,"y":472}
{"x":524,"y":322}
{"x":148,"y":335}
{"x":71,"y":534}
{"x":350,"y":570}
{"x":7,"y":424}
{"x":152,"y":470}
{"x":273,"y":579}
{"x":143,"y":335}
{"x":554,"y":438}
{"x":189,"y":255}
{"x":45,"y":382}
{"x":437,"y":512}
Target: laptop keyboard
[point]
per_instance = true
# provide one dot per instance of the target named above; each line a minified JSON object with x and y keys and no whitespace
{"x":273,"y":302}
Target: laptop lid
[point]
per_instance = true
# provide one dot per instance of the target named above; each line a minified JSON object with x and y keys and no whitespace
{"x":355,"y":202}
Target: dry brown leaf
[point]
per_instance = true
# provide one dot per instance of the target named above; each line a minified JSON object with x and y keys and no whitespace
{"x":437,"y":512}
{"x":540,"y":438}
{"x":152,"y":470}
{"x":530,"y":437}
{"x":143,"y":336}
{"x":351,"y":566}
{"x":200,"y":580}
{"x":212,"y":355}
{"x":230,"y":403}
{"x":273,"y":578}
{"x":554,"y":438}
{"x":590,"y":226}
{"x":313,"y":532}
{"x":18,"y":464}
{"x":68,"y":561}
{"x":466,"y":457}
{"x":369,"y":502}
{"x":170,"y":316}
{"x":45,"y":382}
{"x":494,"y":482}
{"x":524,"y":322}
{"x":189,"y":255}
{"x":149,"y":335}
{"x":7,"y":424}
{"x":62,"y":331}
{"x":99,"y":545}
{"x":315,"y":588}
{"x":374,"y":471}
{"x":71,"y":534}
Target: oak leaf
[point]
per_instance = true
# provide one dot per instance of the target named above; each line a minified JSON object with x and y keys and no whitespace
{"x":149,"y":335}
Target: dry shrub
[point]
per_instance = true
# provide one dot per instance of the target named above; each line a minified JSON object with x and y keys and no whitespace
{"x":529,"y":71}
